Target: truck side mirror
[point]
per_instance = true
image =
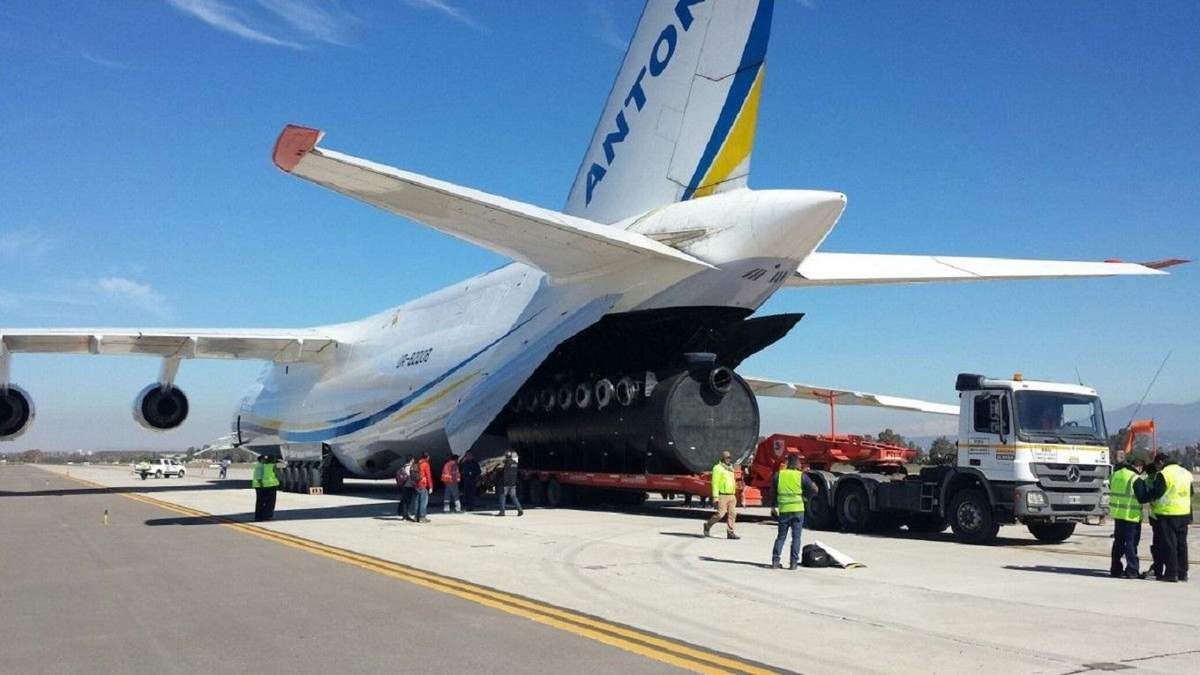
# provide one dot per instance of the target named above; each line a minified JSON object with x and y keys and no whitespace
{"x":995,"y":406}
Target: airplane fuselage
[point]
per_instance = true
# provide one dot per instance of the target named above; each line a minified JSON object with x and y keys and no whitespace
{"x":397,"y":377}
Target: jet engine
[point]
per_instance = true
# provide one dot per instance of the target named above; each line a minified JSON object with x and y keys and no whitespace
{"x":16,"y":412}
{"x":160,"y":408}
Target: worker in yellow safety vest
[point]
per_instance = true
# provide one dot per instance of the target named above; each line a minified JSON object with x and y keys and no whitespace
{"x":266,"y":485}
{"x":790,"y":487}
{"x":1171,"y":503}
{"x":724,"y":493}
{"x":1126,"y":493}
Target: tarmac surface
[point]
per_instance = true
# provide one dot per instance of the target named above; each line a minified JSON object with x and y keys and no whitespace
{"x":81,"y":596}
{"x":172,"y":589}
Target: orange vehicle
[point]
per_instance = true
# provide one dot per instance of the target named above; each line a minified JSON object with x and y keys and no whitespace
{"x":1140,"y":428}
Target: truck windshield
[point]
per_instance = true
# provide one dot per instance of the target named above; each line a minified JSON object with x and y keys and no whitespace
{"x":1062,"y":418}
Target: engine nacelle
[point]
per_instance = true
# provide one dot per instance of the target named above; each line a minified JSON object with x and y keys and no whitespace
{"x":16,"y":412}
{"x":160,"y":409}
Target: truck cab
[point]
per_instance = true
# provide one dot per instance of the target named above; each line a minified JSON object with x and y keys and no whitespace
{"x":1040,"y":449}
{"x":1028,"y":452}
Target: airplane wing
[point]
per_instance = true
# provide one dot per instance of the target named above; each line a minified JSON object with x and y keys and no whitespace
{"x":290,"y":345}
{"x":775,"y":388}
{"x":851,"y":269}
{"x":559,"y":244}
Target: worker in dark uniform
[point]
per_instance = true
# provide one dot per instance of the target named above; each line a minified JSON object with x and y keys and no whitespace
{"x":509,"y":477}
{"x":266,"y":487}
{"x":1171,"y":496}
{"x":1126,"y":510}
{"x":791,"y":485}
{"x":1157,"y":560}
{"x":470,"y":469}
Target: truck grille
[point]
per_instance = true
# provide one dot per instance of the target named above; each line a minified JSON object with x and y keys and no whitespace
{"x":1059,"y":476}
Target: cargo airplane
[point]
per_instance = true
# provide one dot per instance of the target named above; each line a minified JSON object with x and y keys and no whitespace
{"x":610,"y":342}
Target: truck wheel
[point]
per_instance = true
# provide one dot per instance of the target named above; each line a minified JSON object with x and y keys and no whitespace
{"x":1051,"y":533}
{"x":554,"y":493}
{"x":971,"y":517}
{"x":819,"y":514}
{"x":181,"y":473}
{"x":854,"y":509}
{"x":158,"y":474}
{"x":927,"y":523}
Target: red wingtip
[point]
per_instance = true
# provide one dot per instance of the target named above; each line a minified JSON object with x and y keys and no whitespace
{"x":293,"y":143}
{"x":1162,"y":264}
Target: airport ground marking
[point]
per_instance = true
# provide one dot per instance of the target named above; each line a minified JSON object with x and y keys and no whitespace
{"x":627,"y":639}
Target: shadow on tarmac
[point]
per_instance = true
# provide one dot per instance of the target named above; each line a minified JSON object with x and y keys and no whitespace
{"x":322,"y":513}
{"x":69,"y":491}
{"x":730,"y":561}
{"x":1054,"y":569}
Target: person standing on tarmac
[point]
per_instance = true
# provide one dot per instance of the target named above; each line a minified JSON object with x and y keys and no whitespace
{"x":424,"y":484}
{"x":450,"y":479}
{"x":1125,"y":488}
{"x":1171,"y":503}
{"x":509,"y":475}
{"x":470,"y":471}
{"x":266,"y":487}
{"x":724,"y":492}
{"x":790,"y":487}
{"x":405,"y":483}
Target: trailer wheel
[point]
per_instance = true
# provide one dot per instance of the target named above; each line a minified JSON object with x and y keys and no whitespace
{"x":554,"y":493}
{"x":537,"y":492}
{"x":854,"y":509}
{"x":927,"y":523}
{"x":1051,"y":533}
{"x":971,"y":517}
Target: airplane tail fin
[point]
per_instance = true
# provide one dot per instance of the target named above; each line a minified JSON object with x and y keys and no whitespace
{"x":680,"y":120}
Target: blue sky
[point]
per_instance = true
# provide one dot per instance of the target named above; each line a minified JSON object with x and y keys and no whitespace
{"x":138,"y":188}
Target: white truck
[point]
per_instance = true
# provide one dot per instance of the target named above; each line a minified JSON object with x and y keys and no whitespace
{"x":1029,"y":452}
{"x":160,"y":468}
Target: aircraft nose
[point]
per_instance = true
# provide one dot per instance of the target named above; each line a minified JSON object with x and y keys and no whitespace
{"x":791,"y":223}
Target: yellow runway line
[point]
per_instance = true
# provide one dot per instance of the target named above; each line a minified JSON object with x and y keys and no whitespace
{"x":652,"y":646}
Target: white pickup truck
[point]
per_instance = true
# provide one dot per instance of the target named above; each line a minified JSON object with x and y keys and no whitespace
{"x":159,"y":468}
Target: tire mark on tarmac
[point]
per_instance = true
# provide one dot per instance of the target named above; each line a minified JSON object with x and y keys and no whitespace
{"x":901,"y":628}
{"x":638,"y":641}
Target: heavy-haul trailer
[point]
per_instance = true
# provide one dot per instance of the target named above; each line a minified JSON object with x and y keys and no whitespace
{"x":1029,"y":452}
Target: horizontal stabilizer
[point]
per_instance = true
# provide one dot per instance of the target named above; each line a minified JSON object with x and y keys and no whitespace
{"x":811,"y":392}
{"x":851,"y":269}
{"x":287,"y":345}
{"x":558,"y":244}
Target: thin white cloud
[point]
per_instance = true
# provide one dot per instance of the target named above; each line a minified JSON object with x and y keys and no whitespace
{"x":446,"y":8}
{"x":24,"y":245}
{"x":138,"y":295}
{"x":324,"y":23}
{"x":808,"y":4}
{"x":111,"y":64}
{"x":606,"y":25}
{"x":231,"y":20}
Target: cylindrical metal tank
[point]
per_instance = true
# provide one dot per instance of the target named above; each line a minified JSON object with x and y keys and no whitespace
{"x":678,"y":424}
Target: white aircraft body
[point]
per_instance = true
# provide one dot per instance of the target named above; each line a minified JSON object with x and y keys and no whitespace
{"x":645,"y":282}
